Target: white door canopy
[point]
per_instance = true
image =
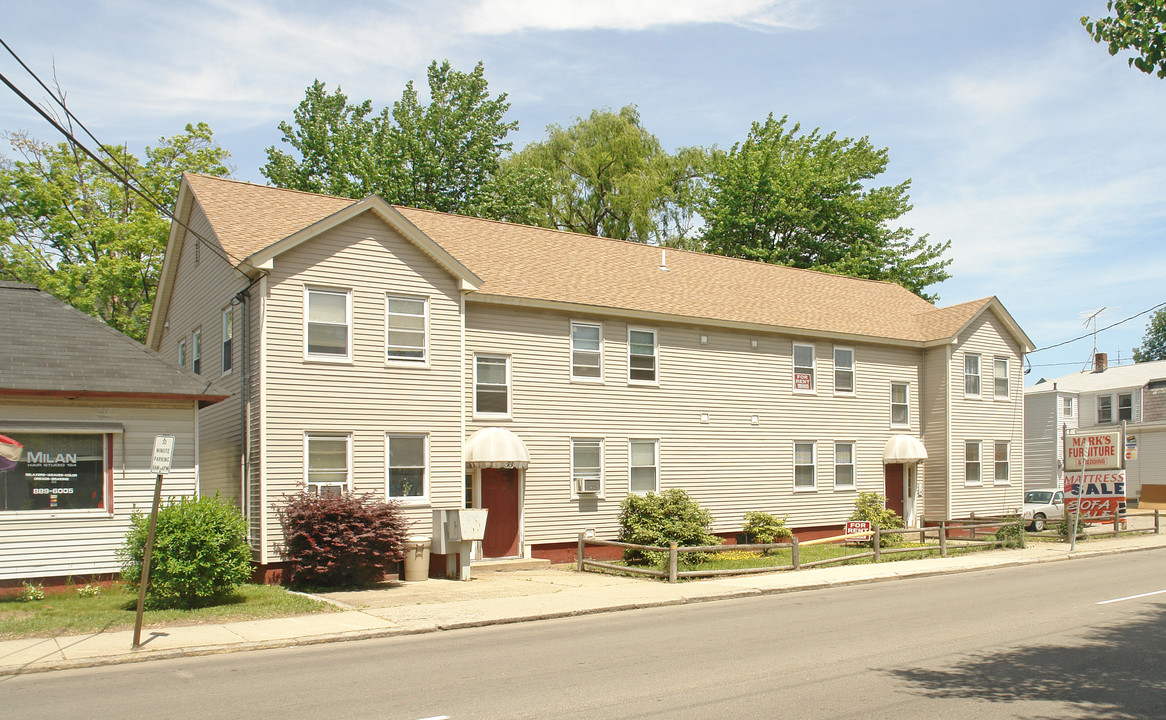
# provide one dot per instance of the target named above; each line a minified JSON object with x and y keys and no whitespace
{"x":903,"y":449}
{"x":496,"y":447}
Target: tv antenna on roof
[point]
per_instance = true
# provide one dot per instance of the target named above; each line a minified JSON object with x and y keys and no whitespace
{"x":1091,"y":317}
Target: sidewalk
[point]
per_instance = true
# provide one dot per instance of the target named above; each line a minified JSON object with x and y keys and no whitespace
{"x":497,"y":598}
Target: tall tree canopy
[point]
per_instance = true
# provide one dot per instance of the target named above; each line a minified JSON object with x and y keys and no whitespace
{"x":444,"y":155}
{"x":1137,"y":25}
{"x":797,"y":199}
{"x":70,"y":228}
{"x":609,"y":176}
{"x":1154,"y":341}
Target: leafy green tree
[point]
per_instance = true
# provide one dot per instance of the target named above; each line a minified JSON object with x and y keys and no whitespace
{"x":805,"y":200}
{"x":73,"y":230}
{"x":1137,"y":25}
{"x":608,"y":176}
{"x":1154,"y":341}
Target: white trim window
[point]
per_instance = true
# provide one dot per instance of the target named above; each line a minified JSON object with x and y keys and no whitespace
{"x":327,"y":463}
{"x":643,"y":466}
{"x":1104,"y":409}
{"x":972,"y":462}
{"x":406,"y":329}
{"x":971,"y":375}
{"x":182,"y":352}
{"x":844,"y":465}
{"x":805,"y":467}
{"x":803,"y":379}
{"x":196,"y":351}
{"x":586,"y":466}
{"x":587,"y":351}
{"x":228,"y":337}
{"x":642,"y":356}
{"x":327,"y":319}
{"x":492,"y":385}
{"x":900,"y":405}
{"x":1000,"y":378}
{"x":843,"y":371}
{"x":1067,"y":407}
{"x":407,"y":467}
{"x":1000,"y":458}
{"x":1125,"y":407}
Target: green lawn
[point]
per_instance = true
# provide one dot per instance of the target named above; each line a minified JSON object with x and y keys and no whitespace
{"x":733,"y":559}
{"x":114,"y":609}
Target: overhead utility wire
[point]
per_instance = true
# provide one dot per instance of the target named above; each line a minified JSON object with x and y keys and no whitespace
{"x":124,"y":179}
{"x":1090,"y":334}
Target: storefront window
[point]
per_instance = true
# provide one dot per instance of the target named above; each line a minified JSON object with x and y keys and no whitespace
{"x":52,"y":471}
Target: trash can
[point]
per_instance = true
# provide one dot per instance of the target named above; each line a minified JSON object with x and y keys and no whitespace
{"x":417,"y":557}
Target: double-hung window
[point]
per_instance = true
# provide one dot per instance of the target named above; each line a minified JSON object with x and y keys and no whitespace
{"x":805,"y":474}
{"x":1104,"y":409}
{"x":971,"y":375}
{"x":803,"y":368}
{"x":844,"y":371}
{"x":491,"y":385}
{"x":1067,"y":407}
{"x":641,"y":355}
{"x":644,"y":462}
{"x":182,"y":352}
{"x":196,"y":351}
{"x":228,"y":337}
{"x":1000,"y":377}
{"x":326,"y":323}
{"x":327,"y":464}
{"x":587,"y":465}
{"x":1002,"y":449}
{"x":586,"y":351}
{"x":900,"y":405}
{"x":971,"y":462}
{"x":407,"y":467}
{"x":1125,"y":407}
{"x":844,"y":466}
{"x":406,"y":329}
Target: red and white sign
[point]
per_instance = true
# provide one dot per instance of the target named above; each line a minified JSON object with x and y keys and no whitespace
{"x":1099,"y":451}
{"x":803,"y":381}
{"x":1101,"y":494}
{"x":858,"y":526}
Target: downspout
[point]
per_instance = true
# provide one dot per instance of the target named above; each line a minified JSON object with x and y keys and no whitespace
{"x":947,"y":431}
{"x":242,"y":298}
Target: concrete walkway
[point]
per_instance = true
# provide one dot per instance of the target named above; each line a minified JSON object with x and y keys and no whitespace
{"x":496,"y":598}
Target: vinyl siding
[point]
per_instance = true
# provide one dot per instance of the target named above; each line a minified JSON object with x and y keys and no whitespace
{"x":1149,"y":468}
{"x":1041,"y":439}
{"x":365,"y":397}
{"x":55,"y":544}
{"x":729,"y":465}
{"x":934,"y":402}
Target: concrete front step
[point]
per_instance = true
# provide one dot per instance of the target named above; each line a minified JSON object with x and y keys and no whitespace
{"x":480,"y":567}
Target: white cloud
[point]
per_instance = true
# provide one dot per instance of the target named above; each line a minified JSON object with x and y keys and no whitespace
{"x":499,"y":17}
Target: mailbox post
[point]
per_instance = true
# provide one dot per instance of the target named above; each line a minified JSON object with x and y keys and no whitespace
{"x":454,"y":533}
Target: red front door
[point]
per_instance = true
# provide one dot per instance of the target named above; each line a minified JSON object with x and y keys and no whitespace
{"x":894,"y":488}
{"x":500,"y":496}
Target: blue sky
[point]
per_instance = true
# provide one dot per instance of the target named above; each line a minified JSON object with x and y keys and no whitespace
{"x":1038,"y":155}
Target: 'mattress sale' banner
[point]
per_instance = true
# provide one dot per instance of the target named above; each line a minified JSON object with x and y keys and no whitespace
{"x":1101,"y":494}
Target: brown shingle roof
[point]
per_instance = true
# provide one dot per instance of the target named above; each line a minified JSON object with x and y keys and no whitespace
{"x":537,"y":264}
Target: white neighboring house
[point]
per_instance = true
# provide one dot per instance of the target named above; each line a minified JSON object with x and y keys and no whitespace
{"x":1104,"y":397}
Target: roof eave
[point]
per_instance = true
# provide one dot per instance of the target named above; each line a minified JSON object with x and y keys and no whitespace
{"x":112,"y":395}
{"x":169,"y":266}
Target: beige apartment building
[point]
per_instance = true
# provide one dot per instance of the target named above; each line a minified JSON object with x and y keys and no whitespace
{"x":445,"y":362}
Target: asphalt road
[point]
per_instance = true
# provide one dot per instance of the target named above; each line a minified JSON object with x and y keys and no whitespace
{"x":1026,"y":642}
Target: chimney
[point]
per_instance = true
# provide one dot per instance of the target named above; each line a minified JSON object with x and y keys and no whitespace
{"x":1100,"y":362}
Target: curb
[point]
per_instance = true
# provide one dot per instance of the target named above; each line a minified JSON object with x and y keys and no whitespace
{"x":197,"y":651}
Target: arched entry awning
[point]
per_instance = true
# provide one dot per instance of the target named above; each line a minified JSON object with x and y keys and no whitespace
{"x":903,"y":449}
{"x":496,"y":447}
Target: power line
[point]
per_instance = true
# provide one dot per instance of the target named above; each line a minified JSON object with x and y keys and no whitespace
{"x":1091,"y":334}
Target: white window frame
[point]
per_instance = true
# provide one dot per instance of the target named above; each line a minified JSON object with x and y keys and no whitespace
{"x":576,"y":478}
{"x":196,"y":351}
{"x":328,"y":357}
{"x":1118,"y":407}
{"x":853,"y":465}
{"x":978,"y":463}
{"x":423,"y":498}
{"x":850,"y":370}
{"x":813,"y":368}
{"x":813,"y":465}
{"x":573,"y":350}
{"x":906,"y":404}
{"x":978,"y":375}
{"x":182,"y":353}
{"x":655,"y":356}
{"x":228,"y":345}
{"x":509,"y":398}
{"x":655,"y":442}
{"x":997,"y":378}
{"x":1067,"y":407}
{"x":411,"y":361}
{"x":1107,"y":401}
{"x":347,"y":438}
{"x":997,"y":462}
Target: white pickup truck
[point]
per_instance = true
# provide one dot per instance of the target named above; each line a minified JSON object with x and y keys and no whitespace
{"x":1040,"y":506}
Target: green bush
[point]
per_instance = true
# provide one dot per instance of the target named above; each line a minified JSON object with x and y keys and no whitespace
{"x":200,"y":553}
{"x":870,"y":506}
{"x":30,"y":592}
{"x":764,"y":528}
{"x":660,"y":518}
{"x":1012,"y":534}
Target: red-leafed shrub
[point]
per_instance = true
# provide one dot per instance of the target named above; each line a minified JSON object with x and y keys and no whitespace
{"x":341,"y":540}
